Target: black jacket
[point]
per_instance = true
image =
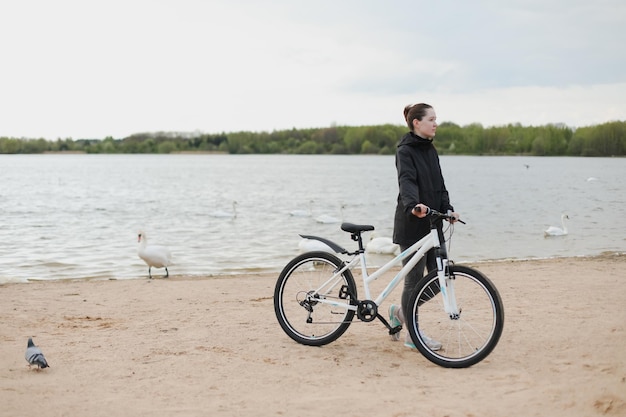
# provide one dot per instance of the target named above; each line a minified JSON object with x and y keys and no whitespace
{"x":419,"y":181}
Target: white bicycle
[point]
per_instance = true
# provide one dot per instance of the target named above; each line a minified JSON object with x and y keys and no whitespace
{"x":315,"y":299}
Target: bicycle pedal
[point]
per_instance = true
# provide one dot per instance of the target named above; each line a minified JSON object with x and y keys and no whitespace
{"x":344,"y":292}
{"x":395,"y":330}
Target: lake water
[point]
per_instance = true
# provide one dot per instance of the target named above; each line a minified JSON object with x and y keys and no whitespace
{"x":77,"y":216}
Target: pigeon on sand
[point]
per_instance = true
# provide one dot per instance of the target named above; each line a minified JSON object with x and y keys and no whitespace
{"x":34,"y":356}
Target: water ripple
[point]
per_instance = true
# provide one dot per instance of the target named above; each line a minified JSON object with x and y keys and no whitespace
{"x":77,"y":216}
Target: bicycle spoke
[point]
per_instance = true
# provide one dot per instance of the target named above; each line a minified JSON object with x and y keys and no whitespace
{"x":465,"y":340}
{"x":301,"y":294}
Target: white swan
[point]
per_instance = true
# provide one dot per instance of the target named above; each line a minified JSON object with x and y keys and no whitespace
{"x":382,"y":245}
{"x":311,"y":245}
{"x":301,"y":212}
{"x":226,"y":214}
{"x":557,"y":231}
{"x":153,"y":255}
{"x":328,"y":219}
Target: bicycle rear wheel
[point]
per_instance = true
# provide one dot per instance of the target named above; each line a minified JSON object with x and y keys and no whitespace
{"x":301,"y":286}
{"x":467,"y":339}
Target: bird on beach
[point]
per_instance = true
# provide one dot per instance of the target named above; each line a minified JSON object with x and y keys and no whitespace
{"x":557,"y":231}
{"x":34,"y":356}
{"x":153,"y":255}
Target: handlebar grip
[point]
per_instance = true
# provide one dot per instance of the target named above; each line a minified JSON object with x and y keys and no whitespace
{"x":435,"y":213}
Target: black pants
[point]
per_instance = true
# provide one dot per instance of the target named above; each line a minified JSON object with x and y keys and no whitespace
{"x":428,"y":262}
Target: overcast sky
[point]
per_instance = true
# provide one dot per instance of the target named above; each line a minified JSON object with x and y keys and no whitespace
{"x":92,"y":69}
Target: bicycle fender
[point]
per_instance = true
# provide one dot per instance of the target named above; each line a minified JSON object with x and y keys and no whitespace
{"x":330,"y":243}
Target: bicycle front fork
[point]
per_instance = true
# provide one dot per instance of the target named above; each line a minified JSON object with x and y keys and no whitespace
{"x":446,"y":285}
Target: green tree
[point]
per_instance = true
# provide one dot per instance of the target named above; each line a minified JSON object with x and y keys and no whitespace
{"x":601,"y":140}
{"x":308,"y":147}
{"x":167,"y":146}
{"x":474,"y":135}
{"x":353,"y":140}
{"x":369,"y":148}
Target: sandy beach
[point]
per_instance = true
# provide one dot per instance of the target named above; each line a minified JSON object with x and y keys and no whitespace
{"x":213,"y":347}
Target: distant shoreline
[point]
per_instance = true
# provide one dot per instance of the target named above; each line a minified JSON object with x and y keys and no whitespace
{"x":63,"y":153}
{"x":609,"y":256}
{"x":604,"y":139}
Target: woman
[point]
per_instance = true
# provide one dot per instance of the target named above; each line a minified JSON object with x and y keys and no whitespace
{"x":421,"y":184}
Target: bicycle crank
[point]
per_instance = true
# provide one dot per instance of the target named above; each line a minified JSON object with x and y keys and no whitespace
{"x":367,"y":310}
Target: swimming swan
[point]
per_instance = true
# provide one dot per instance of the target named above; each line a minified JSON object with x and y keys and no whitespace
{"x":312,"y":245}
{"x":557,"y":231}
{"x":328,"y":219}
{"x":226,"y":214}
{"x":302,"y":213}
{"x":382,"y":244}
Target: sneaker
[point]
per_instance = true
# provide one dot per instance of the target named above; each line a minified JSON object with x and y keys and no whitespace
{"x":394,"y":321}
{"x":432,"y":344}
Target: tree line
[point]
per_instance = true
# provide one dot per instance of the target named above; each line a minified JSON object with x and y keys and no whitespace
{"x":608,"y":139}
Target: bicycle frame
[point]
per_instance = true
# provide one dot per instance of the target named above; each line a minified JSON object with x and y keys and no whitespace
{"x":316,"y":297}
{"x":420,"y":248}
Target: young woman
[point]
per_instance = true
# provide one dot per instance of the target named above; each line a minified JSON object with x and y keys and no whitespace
{"x":421,"y":184}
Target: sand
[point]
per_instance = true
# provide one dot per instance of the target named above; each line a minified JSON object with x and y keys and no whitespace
{"x":213,"y":347}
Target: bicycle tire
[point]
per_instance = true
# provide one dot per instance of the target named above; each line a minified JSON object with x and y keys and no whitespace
{"x":465,"y":340}
{"x":324,"y":323}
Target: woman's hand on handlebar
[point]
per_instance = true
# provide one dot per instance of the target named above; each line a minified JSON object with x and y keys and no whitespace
{"x":421,"y":210}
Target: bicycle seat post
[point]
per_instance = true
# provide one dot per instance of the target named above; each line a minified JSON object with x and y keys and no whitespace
{"x":355,"y":231}
{"x":356,"y":236}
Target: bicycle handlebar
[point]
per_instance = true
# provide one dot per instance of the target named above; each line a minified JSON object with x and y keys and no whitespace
{"x":438,"y":215}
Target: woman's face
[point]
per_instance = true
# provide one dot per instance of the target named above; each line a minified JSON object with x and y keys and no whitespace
{"x":426,"y":127}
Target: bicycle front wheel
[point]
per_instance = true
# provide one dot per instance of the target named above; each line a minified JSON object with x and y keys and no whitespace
{"x":456,"y":342}
{"x":302,"y":291}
